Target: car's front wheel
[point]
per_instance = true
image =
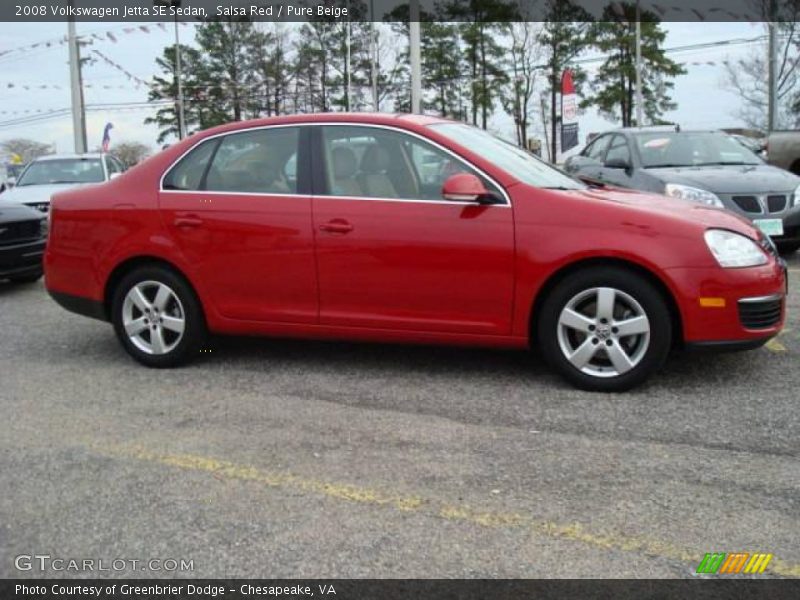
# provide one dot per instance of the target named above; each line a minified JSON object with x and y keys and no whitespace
{"x":157,"y":317}
{"x":605,"y":329}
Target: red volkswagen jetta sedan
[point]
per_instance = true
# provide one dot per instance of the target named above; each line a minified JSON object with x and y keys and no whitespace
{"x":399,"y":228}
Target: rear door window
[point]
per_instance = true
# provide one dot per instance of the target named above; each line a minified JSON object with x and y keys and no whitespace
{"x":262,"y":161}
{"x":189,"y":172}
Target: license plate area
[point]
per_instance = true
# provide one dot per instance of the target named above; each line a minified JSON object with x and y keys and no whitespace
{"x":770,"y":227}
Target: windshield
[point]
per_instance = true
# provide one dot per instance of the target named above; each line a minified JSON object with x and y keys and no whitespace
{"x":63,"y":170}
{"x":689,"y":149}
{"x":516,"y":162}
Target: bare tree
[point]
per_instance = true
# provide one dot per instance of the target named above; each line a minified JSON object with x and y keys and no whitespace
{"x":131,"y":153}
{"x":526,"y":54}
{"x":748,"y":77}
{"x":26,"y":149}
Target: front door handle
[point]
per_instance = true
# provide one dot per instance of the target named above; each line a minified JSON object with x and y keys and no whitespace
{"x":188,"y":221}
{"x":336,"y":226}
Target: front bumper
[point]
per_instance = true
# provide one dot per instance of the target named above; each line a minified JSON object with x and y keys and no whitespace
{"x":20,"y":259}
{"x":716,"y":304}
{"x":791,"y":227}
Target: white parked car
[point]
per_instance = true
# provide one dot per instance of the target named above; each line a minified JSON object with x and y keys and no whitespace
{"x":46,"y":175}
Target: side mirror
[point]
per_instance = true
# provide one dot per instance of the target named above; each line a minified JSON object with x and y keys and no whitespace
{"x":113,"y":176}
{"x":11,"y":182}
{"x":578,"y":162}
{"x":618,"y":163}
{"x":465,"y":187}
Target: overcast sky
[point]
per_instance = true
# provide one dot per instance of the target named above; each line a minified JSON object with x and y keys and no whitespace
{"x":700,"y":94}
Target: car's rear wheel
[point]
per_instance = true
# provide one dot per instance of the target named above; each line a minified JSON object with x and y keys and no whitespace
{"x":605,"y":329}
{"x":157,"y":317}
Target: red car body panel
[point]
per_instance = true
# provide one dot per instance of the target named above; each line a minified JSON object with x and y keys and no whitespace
{"x":400,"y":271}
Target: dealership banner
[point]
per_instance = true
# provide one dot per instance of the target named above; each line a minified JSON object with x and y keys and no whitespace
{"x":405,"y":589}
{"x":569,"y":112}
{"x":133,"y":11}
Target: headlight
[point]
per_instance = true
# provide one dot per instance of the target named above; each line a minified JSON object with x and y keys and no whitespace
{"x":733,"y":250}
{"x":692,"y":194}
{"x":44,"y":227}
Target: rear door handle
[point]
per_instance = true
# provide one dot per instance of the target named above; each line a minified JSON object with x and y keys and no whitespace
{"x":336,"y":226}
{"x":188,"y":221}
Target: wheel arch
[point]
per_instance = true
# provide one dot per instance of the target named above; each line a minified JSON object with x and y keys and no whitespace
{"x":563,"y":272}
{"x":135,"y":262}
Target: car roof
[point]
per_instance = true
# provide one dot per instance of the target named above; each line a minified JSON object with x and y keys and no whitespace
{"x":642,"y":130}
{"x":366,"y":118}
{"x":69,"y":156}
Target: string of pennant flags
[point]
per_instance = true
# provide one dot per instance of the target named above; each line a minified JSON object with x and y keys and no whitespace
{"x":111,"y":35}
{"x":48,"y":111}
{"x":138,"y":81}
{"x":141,"y":82}
{"x":50,"y":86}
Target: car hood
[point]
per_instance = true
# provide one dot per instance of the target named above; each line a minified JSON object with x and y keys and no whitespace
{"x":36,"y":193}
{"x":691,"y":213}
{"x":730,"y":179}
{"x":11,"y":211}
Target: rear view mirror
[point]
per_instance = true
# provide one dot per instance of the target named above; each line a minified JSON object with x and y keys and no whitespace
{"x":465,"y":187}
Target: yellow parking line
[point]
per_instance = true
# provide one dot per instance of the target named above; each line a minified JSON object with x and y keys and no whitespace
{"x":576,"y":532}
{"x":775,"y":346}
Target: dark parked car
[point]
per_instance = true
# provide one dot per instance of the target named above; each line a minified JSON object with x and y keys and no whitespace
{"x":23,"y":233}
{"x":708,"y":167}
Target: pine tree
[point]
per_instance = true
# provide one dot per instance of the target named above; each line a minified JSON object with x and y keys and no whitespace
{"x":482,"y":22}
{"x":199,"y":113}
{"x":227,"y":60}
{"x":613,"y":89}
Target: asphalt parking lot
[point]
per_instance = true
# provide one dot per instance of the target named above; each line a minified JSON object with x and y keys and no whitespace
{"x":272,"y":458}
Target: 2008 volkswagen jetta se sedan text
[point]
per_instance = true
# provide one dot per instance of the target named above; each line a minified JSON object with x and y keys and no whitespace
{"x":413,"y":229}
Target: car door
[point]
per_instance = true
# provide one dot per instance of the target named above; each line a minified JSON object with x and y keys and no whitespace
{"x":239,"y":208}
{"x":617,"y":167}
{"x":589,"y":163}
{"x":391,"y":253}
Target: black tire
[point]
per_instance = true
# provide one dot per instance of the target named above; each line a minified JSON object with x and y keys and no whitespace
{"x":194,"y":333}
{"x":30,"y":278}
{"x":651,"y":355}
{"x":787,"y":248}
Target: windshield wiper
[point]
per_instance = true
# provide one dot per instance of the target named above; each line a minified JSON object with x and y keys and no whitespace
{"x":725,"y":163}
{"x":668,"y":166}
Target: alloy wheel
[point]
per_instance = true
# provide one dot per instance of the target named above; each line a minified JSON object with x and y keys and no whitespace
{"x":603,"y":332}
{"x":153,"y":317}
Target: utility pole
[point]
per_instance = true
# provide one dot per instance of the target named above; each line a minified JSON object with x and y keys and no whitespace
{"x":414,"y":47}
{"x":178,"y":68}
{"x":347,"y":61}
{"x":373,"y":51}
{"x":772,"y":76}
{"x":179,"y":77}
{"x":550,"y":153}
{"x":639,"y":101}
{"x":76,"y":89}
